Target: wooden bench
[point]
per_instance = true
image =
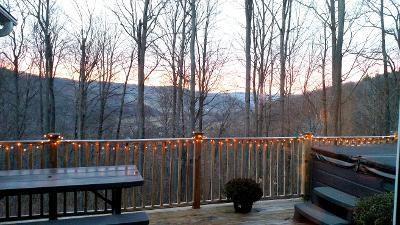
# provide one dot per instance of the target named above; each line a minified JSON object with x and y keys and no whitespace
{"x":138,"y":218}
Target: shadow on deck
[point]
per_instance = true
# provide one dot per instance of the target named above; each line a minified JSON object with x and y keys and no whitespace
{"x":272,"y":212}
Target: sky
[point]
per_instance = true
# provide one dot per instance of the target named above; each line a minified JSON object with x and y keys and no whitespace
{"x":229,"y":31}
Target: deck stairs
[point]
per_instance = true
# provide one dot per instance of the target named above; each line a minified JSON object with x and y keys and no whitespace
{"x":328,"y":206}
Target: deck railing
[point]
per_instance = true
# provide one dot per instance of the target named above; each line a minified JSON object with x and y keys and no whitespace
{"x":177,"y":172}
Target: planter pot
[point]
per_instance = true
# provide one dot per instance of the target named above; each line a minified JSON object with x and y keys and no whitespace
{"x":243,"y":207}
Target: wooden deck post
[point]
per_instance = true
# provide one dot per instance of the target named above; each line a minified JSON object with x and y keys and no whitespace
{"x":306,"y":165}
{"x":198,"y":141}
{"x":54,"y":139}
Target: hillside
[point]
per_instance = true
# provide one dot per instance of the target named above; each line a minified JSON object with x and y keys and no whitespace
{"x":224,"y":115}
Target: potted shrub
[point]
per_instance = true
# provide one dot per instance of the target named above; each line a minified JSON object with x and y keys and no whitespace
{"x":243,"y":192}
{"x":376,"y":210}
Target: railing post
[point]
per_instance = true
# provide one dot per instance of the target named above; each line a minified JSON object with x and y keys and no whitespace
{"x":198,"y":141}
{"x":54,"y":139}
{"x":306,"y":165}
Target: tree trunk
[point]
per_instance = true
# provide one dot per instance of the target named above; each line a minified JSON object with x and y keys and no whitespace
{"x":17,"y":102}
{"x":324,"y":96}
{"x":283,"y":46}
{"x":193,"y":67}
{"x":82,"y":91}
{"x":248,"y":12}
{"x":142,"y":42}
{"x":337,"y":44}
{"x":180,"y":114}
{"x":121,"y":106}
{"x":385,"y":73}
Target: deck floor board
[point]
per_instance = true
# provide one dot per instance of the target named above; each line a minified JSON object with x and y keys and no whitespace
{"x":272,"y":212}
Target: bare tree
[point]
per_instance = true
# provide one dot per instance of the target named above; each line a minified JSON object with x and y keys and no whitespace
{"x":16,"y":55}
{"x":210,"y":61}
{"x":140,"y":30}
{"x":263,"y":36}
{"x":181,"y":69}
{"x":284,"y":30}
{"x":323,"y":78}
{"x":107,"y":70}
{"x":173,"y":23}
{"x":88,"y":59}
{"x":127,"y":72}
{"x":45,"y":13}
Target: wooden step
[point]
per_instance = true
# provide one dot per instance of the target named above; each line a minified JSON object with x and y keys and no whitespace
{"x":317,"y":215}
{"x":138,"y":218}
{"x":336,"y":197}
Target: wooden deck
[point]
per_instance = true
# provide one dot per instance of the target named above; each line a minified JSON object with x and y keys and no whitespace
{"x":271,"y":212}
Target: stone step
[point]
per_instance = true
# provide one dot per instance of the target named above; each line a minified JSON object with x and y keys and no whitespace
{"x":317,"y":215}
{"x":336,"y":197}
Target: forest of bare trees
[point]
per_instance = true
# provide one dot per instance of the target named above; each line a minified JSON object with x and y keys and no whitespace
{"x":165,"y":68}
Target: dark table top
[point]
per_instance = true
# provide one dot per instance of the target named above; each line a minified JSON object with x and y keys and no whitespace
{"x":377,"y":155}
{"x":68,"y":179}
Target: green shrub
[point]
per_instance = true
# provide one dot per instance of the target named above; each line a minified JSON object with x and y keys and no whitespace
{"x":374,"y":210}
{"x":243,"y":190}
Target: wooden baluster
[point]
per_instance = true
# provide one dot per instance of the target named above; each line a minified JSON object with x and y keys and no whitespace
{"x":87,"y":147}
{"x":187,"y":172}
{"x":20,"y":167}
{"x":257,"y":147}
{"x":125,"y":190}
{"x":171,"y":171}
{"x":7,"y":166}
{"x":75,"y":164}
{"x":144,"y":175}
{"x":204,"y":173}
{"x":242,"y":161}
{"x":283,"y":144}
{"x":270,"y":152}
{"x":179,"y":189}
{"x":277,"y":154}
{"x":153,"y":174}
{"x":228,"y":147}
{"x":220,"y":170}
{"x":107,"y":155}
{"x":163,"y":152}
{"x":299,"y":146}
{"x":65,"y":165}
{"x":135,"y":162}
{"x":227,"y":159}
{"x":249,"y":169}
{"x":264,"y":167}
{"x":97,"y":161}
{"x":66,"y":155}
{"x":291,"y":167}
{"x":30,"y":166}
{"x":235,"y":157}
{"x":116,"y":154}
{"x":212,"y":166}
{"x":7,"y":161}
{"x":126,"y":154}
{"x":19,"y":156}
{"x":42,"y":166}
{"x":31,"y":156}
